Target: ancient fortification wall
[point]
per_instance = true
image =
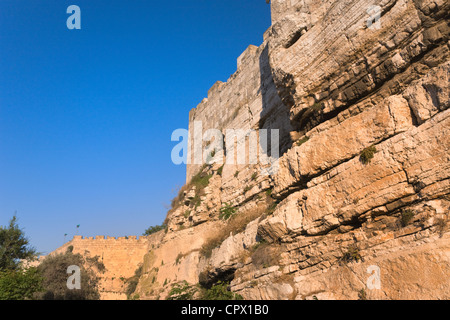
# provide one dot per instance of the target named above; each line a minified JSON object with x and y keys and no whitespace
{"x":247,"y":101}
{"x":120,"y":256}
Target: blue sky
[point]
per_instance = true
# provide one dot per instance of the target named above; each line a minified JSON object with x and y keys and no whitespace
{"x":86,"y":116}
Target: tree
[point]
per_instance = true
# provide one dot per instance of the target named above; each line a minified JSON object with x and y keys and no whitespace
{"x":54,"y":271}
{"x":16,"y":282}
{"x":154,"y":229}
{"x":21,"y":284}
{"x":14,"y":246}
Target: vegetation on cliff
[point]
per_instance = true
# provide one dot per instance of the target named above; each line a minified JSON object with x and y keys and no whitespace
{"x":185,"y":291}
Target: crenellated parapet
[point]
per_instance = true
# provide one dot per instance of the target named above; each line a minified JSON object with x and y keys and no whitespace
{"x":109,"y":238}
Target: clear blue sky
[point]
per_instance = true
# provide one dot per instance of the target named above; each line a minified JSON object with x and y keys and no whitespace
{"x":86,"y":115}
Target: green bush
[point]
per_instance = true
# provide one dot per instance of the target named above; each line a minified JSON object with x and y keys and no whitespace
{"x":154,"y":229}
{"x":367,"y":155}
{"x":182,"y":291}
{"x":352,"y":254}
{"x":196,"y":201}
{"x":220,"y":291}
{"x":201,"y":180}
{"x":406,"y":217}
{"x":185,"y":291}
{"x":20,"y":284}
{"x":227,"y":211}
{"x":54,"y":271}
{"x":302,"y":141}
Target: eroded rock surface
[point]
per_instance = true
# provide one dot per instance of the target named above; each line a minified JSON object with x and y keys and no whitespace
{"x":358,"y":207}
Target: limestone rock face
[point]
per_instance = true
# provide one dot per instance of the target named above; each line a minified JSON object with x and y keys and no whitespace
{"x":356,"y":203}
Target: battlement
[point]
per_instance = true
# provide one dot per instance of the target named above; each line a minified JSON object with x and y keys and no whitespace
{"x":108,"y":238}
{"x":248,"y":54}
{"x":80,"y":243}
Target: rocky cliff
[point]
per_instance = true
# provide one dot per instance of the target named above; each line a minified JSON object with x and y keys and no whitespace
{"x":358,"y":206}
